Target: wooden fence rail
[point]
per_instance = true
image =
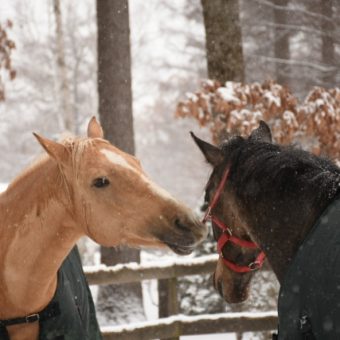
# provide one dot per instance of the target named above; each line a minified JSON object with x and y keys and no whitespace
{"x":174,"y":326}
{"x":133,"y":272}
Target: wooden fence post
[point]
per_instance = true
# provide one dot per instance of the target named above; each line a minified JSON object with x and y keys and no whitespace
{"x":167,"y":300}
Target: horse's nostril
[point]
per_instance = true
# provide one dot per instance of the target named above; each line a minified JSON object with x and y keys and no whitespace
{"x":181,"y":226}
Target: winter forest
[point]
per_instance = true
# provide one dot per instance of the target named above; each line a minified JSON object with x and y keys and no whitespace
{"x":151,"y":72}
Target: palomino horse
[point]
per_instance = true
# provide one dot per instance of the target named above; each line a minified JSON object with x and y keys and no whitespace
{"x":279,"y":201}
{"x":84,"y":186}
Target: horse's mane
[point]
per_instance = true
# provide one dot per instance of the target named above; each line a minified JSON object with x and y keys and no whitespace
{"x":259,"y":169}
{"x":76,"y":147}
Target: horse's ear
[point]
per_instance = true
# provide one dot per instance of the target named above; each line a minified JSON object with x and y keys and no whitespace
{"x":94,"y":129}
{"x":262,"y":133}
{"x":212,"y":153}
{"x":56,"y":150}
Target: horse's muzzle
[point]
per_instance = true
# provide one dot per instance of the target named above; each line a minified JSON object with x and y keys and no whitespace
{"x":186,"y":233}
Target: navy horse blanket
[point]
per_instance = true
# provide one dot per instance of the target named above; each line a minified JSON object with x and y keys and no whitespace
{"x":309,"y":299}
{"x":71,"y":314}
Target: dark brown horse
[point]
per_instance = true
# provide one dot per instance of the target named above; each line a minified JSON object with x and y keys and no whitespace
{"x":265,"y":198}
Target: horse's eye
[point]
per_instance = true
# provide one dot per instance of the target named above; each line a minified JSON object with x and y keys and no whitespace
{"x":101,"y":182}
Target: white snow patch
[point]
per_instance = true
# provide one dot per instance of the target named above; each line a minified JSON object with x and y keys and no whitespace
{"x":3,"y":187}
{"x":319,"y":102}
{"x":289,"y":117}
{"x":228,"y":94}
{"x":191,"y":96}
{"x":165,"y":263}
{"x":184,"y":319}
{"x":272,"y":99}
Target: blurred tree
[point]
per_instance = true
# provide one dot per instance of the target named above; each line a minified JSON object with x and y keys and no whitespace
{"x":63,"y":82}
{"x":281,"y":40}
{"x":35,"y":92}
{"x":308,"y":55}
{"x":6,"y":47}
{"x":223,"y":40}
{"x":328,"y":53}
{"x":116,"y":303}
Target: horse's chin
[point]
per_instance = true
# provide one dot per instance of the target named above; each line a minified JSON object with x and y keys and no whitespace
{"x":235,"y":299}
{"x":232,"y":296}
{"x":180,"y":250}
{"x":179,"y":244}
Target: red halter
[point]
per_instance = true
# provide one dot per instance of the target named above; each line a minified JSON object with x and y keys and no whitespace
{"x":227,"y":235}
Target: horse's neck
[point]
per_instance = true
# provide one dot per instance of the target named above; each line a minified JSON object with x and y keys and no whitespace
{"x":281,"y":233}
{"x":37,"y":233}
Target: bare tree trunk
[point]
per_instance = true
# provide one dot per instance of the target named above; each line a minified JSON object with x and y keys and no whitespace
{"x":328,"y":43}
{"x":223,"y":40}
{"x":114,"y":73}
{"x":281,"y":42}
{"x":64,"y":90}
{"x":116,"y":303}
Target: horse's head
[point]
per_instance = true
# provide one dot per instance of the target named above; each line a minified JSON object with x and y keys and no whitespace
{"x":239,"y":255}
{"x":113,"y":200}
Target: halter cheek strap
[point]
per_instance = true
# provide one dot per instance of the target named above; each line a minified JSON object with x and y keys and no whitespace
{"x":227,"y":235}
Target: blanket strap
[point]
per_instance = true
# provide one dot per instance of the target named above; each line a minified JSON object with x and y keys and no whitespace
{"x":51,"y":310}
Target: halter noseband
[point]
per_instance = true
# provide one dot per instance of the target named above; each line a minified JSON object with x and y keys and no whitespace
{"x":227,"y":235}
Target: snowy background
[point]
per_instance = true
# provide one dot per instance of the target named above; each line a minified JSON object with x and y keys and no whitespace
{"x":168,"y":56}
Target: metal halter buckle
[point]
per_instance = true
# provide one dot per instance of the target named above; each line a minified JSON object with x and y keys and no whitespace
{"x":254,"y":265}
{"x":32,"y":318}
{"x":228,"y":231}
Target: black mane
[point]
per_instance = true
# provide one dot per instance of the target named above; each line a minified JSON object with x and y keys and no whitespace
{"x":257,"y":167}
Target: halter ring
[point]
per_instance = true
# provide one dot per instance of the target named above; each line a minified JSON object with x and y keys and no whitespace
{"x":254,"y":265}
